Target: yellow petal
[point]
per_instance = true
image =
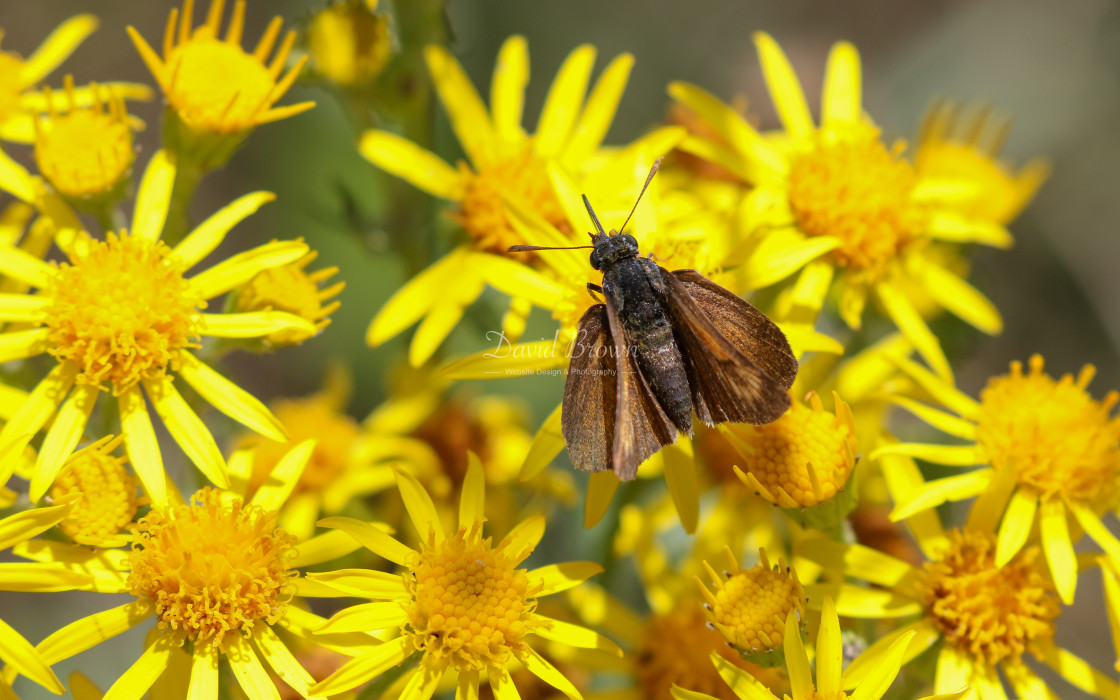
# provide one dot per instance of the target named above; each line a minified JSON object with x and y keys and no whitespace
{"x":422,"y":685}
{"x":247,"y":668}
{"x":17,"y":263}
{"x":441,"y":319}
{"x":324,"y":547}
{"x":560,"y":577}
{"x":1057,"y":545}
{"x":719,"y":154}
{"x":945,"y":422}
{"x":284,"y":477}
{"x":921,"y":635}
{"x":472,"y":500}
{"x":576,"y":636}
{"x":40,"y":406}
{"x":1091,"y":523}
{"x":466,"y":688}
{"x":954,"y":669}
{"x":507,"y":360}
{"x":142,"y":446}
{"x":853,"y":601}
{"x":954,"y":228}
{"x":797,"y":661}
{"x":252,"y":324}
{"x":81,"y":687}
{"x":857,"y":560}
{"x":276,"y":654}
{"x":188,"y":430}
{"x":523,"y":538}
{"x":1078,"y":672}
{"x":361,"y":669}
{"x":507,"y":89}
{"x":467,"y":113}
{"x":90,"y":631}
{"x":135,"y":682}
{"x":27,"y":523}
{"x":914,"y":327}
{"x":154,"y":197}
{"x":18,"y":653}
{"x":778,"y":257}
{"x":680,"y":478}
{"x":564,"y":100}
{"x":785,"y":89}
{"x":539,"y":667}
{"x":960,"y":298}
{"x":230,"y":399}
{"x":372,"y":537}
{"x":23,"y":307}
{"x":208,"y":235}
{"x":417,"y":296}
{"x":841,"y":101}
{"x":205,"y":660}
{"x":17,"y":345}
{"x":943,"y":391}
{"x":40,"y":578}
{"x":366,"y":617}
{"x":883,"y":674}
{"x":830,"y":652}
{"x":601,"y":487}
{"x":362,"y":583}
{"x":1015,"y":529}
{"x":546,"y":444}
{"x":598,"y":113}
{"x":517,"y":280}
{"x":242,"y":267}
{"x":502,"y":685}
{"x":62,"y":438}
{"x":56,"y":48}
{"x":414,"y":164}
{"x":419,"y":505}
{"x":939,"y":491}
{"x":949,"y":455}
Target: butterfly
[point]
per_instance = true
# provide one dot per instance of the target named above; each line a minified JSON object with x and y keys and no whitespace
{"x":658,"y":347}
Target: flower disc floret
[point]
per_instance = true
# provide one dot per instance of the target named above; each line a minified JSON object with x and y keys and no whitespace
{"x":992,"y":613}
{"x":802,"y":459}
{"x":122,"y":312}
{"x":1059,"y":441}
{"x":291,"y":288}
{"x":749,"y":607}
{"x":482,"y":210}
{"x":211,"y":567}
{"x":471,"y":606}
{"x":109,"y":498}
{"x":851,"y":187}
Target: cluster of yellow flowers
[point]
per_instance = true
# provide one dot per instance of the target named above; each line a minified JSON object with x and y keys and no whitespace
{"x":853,"y":244}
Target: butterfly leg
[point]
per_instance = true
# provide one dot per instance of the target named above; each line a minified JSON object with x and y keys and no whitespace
{"x":595,"y":290}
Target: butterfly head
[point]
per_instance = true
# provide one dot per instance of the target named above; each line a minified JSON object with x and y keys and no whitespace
{"x":611,"y":248}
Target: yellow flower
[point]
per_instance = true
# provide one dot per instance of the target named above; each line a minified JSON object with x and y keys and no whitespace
{"x":348,"y":42}
{"x":987,"y":616}
{"x":292,"y":289}
{"x":85,"y":153}
{"x":228,"y":604}
{"x":748,"y":606}
{"x":830,"y":676}
{"x":107,"y":498}
{"x":216,"y":91}
{"x":509,"y":168}
{"x":1056,"y":444}
{"x":122,"y":315}
{"x":20,"y":102}
{"x":14,"y":649}
{"x":861,"y":213}
{"x":957,"y":146}
{"x":802,"y":461}
{"x":464,"y":605}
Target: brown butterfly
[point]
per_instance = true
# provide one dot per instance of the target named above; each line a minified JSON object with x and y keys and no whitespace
{"x":660,"y":346}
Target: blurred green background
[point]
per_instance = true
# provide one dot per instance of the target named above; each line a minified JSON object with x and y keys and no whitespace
{"x":1052,"y":66}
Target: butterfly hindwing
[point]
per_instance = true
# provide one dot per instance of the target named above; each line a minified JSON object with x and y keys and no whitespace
{"x":588,"y":412}
{"x":726,"y":383}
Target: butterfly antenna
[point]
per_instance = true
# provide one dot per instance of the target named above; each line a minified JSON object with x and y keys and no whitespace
{"x":594,"y":219}
{"x":527,"y":248}
{"x":649,"y":178}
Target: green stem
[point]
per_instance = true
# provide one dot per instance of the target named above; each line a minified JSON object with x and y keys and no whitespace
{"x":187,"y":177}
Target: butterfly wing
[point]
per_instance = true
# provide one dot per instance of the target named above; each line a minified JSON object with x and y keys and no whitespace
{"x":588,"y":413}
{"x":726,"y":382}
{"x":748,"y":329}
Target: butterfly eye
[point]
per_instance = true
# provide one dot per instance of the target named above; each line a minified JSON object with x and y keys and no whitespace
{"x":595,"y":259}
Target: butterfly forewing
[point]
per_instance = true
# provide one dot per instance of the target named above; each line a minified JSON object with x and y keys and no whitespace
{"x":725,"y":382}
{"x":588,"y":412}
{"x":755,"y":335}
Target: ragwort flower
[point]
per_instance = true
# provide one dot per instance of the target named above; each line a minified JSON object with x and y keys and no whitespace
{"x":214,"y":571}
{"x":462,"y":604}
{"x":122,"y":315}
{"x":1059,"y":446}
{"x":837,"y":203}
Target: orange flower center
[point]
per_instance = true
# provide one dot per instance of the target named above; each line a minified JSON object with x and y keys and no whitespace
{"x":109,"y":499}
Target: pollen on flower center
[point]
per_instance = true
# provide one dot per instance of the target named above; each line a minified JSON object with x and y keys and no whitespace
{"x":482,"y":210}
{"x":471,"y":605}
{"x":122,"y":312}
{"x":1059,"y":441}
{"x":109,"y":499}
{"x":749,"y":607}
{"x":211,"y":568}
{"x":989,"y":612}
{"x":85,"y":152}
{"x":851,"y":187}
{"x":674,"y":648}
{"x":802,"y":459}
{"x":216,"y":86}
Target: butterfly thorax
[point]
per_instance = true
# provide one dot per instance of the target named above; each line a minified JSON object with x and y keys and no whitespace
{"x":640,"y":298}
